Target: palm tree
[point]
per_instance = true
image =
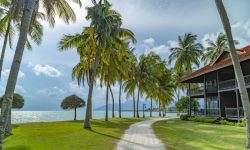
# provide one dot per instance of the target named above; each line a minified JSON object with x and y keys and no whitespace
{"x":11,"y":20}
{"x":187,"y":53}
{"x":130,"y":83}
{"x":145,"y":76}
{"x":176,"y":78}
{"x":165,"y":89}
{"x":96,"y":42}
{"x":237,"y":66}
{"x":52,"y":8}
{"x":215,"y":48}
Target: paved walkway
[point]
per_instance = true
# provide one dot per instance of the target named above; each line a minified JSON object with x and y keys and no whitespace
{"x":140,"y":136}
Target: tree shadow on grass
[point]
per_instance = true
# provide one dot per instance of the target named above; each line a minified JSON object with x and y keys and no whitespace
{"x":110,"y":136}
{"x":18,"y":147}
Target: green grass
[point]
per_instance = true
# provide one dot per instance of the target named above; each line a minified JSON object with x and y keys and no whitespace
{"x":179,"y":135}
{"x":67,"y":135}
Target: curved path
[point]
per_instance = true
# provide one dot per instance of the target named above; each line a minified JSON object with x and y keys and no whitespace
{"x":140,"y":136}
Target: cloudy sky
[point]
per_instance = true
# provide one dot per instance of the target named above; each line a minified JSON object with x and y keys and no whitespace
{"x":45,"y":76}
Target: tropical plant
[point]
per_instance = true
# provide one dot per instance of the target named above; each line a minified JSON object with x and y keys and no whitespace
{"x":96,"y":43}
{"x":237,"y":67}
{"x":215,"y":48}
{"x":176,"y":80}
{"x":17,"y":103}
{"x":11,"y":22}
{"x":186,"y":54}
{"x":72,"y":102}
{"x":182,"y":104}
{"x":51,"y":8}
{"x":130,"y":83}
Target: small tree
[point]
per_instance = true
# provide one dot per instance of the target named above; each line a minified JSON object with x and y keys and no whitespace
{"x":181,"y":105}
{"x":17,"y":103}
{"x":72,"y":102}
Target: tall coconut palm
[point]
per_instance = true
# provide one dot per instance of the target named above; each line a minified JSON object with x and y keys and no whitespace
{"x":10,"y":23}
{"x":52,"y":8}
{"x":144,"y":77}
{"x":187,"y":53}
{"x":165,"y":89}
{"x":96,"y":45}
{"x":237,"y":66}
{"x":176,"y":78}
{"x":215,"y":48}
{"x":130,"y":83}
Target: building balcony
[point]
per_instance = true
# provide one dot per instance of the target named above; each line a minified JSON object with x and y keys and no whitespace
{"x":215,"y":112}
{"x":197,"y":91}
{"x":200,"y":90}
{"x":231,"y":84}
{"x":232,"y":113}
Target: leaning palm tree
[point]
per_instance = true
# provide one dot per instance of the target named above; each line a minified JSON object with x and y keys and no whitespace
{"x":186,"y":54}
{"x":10,"y":23}
{"x":237,"y":67}
{"x":52,"y":8}
{"x":215,"y":48}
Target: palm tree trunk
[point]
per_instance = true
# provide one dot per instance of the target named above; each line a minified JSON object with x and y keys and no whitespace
{"x":89,"y":105}
{"x":75,"y":114}
{"x":11,"y":83}
{"x":159,"y":108}
{"x":8,"y":130}
{"x":107,"y":102}
{"x":151,"y":102}
{"x":120,"y":92}
{"x":137,"y":106}
{"x":237,"y":67}
{"x":91,"y":110}
{"x":113,"y":102}
{"x":4,"y":47}
{"x":134,"y":103}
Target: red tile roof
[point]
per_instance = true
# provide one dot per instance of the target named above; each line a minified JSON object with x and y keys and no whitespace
{"x":244,"y":54}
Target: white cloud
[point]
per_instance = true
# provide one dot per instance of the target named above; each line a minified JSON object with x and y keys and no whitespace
{"x":209,"y":36}
{"x":53,"y":91}
{"x":163,"y":49}
{"x":74,"y":88}
{"x":6,"y":73}
{"x":47,"y":70}
{"x":240,"y":30}
{"x":20,"y":89}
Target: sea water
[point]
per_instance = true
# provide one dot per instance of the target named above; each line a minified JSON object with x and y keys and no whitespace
{"x":51,"y":116}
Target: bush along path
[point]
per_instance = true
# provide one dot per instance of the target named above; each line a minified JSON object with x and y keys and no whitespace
{"x":140,"y":136}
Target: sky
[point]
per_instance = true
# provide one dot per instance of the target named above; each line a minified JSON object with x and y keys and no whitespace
{"x":45,"y":75}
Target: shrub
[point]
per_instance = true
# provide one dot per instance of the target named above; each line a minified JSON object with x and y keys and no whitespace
{"x":184,"y":117}
{"x":239,"y":124}
{"x":201,"y":119}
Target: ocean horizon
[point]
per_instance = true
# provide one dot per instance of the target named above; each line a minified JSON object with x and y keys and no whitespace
{"x":28,"y":116}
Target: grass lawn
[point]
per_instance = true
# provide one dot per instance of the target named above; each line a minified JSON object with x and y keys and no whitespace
{"x":67,"y":135}
{"x":187,"y":135}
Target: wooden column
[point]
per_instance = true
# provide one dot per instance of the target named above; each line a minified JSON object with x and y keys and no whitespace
{"x":218,"y":91}
{"x":205,"y":94}
{"x":189,"y":100}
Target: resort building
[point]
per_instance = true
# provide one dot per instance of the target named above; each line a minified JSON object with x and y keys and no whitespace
{"x":216,"y":86}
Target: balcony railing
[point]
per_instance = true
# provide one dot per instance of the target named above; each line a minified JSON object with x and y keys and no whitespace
{"x":197,"y":91}
{"x":233,"y":112}
{"x":231,"y":84}
{"x":215,"y":112}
